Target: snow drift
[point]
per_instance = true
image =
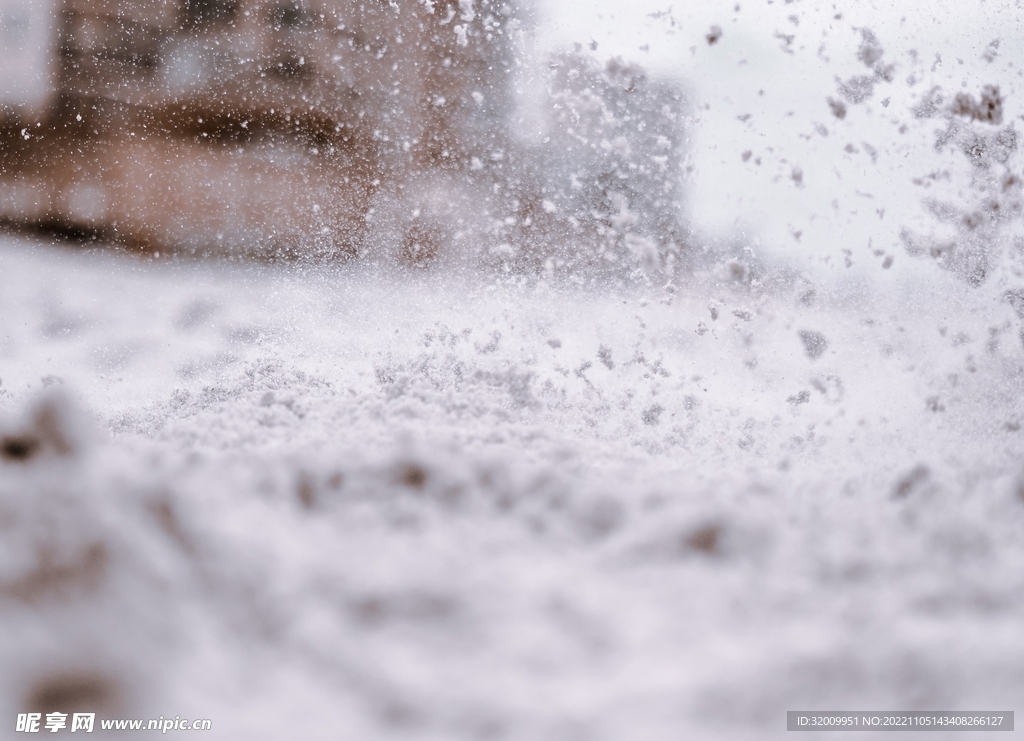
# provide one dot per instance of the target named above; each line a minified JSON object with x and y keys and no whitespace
{"x":292,"y":502}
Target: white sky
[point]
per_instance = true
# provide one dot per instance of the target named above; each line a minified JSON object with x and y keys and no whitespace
{"x":838,"y":206}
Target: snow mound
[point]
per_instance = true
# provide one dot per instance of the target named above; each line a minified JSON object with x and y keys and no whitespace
{"x":297,"y":503}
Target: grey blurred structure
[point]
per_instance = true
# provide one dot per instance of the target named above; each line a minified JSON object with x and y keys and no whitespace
{"x":610,"y":182}
{"x":27,"y":59}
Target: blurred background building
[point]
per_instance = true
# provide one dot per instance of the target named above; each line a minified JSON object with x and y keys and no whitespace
{"x":237,"y":125}
{"x":277,"y":127}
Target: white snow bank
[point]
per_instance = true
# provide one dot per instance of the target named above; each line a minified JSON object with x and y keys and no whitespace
{"x":326,"y":503}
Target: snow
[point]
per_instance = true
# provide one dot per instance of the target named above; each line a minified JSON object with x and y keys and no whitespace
{"x":668,"y":399}
{"x":336,"y":501}
{"x":754,"y":91}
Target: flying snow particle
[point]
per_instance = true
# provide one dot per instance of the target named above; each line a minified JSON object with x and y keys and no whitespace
{"x":989,"y":109}
{"x":815,"y":343}
{"x":870,"y":51}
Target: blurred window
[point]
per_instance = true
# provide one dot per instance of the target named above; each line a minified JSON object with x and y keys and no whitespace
{"x":206,"y":12}
{"x":286,"y":16}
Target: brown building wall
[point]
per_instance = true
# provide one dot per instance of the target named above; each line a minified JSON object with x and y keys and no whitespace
{"x":253,"y":126}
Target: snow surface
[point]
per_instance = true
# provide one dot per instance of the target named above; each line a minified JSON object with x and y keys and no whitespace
{"x":328,"y":501}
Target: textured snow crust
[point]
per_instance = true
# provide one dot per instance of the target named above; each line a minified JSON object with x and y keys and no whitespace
{"x":313,"y":501}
